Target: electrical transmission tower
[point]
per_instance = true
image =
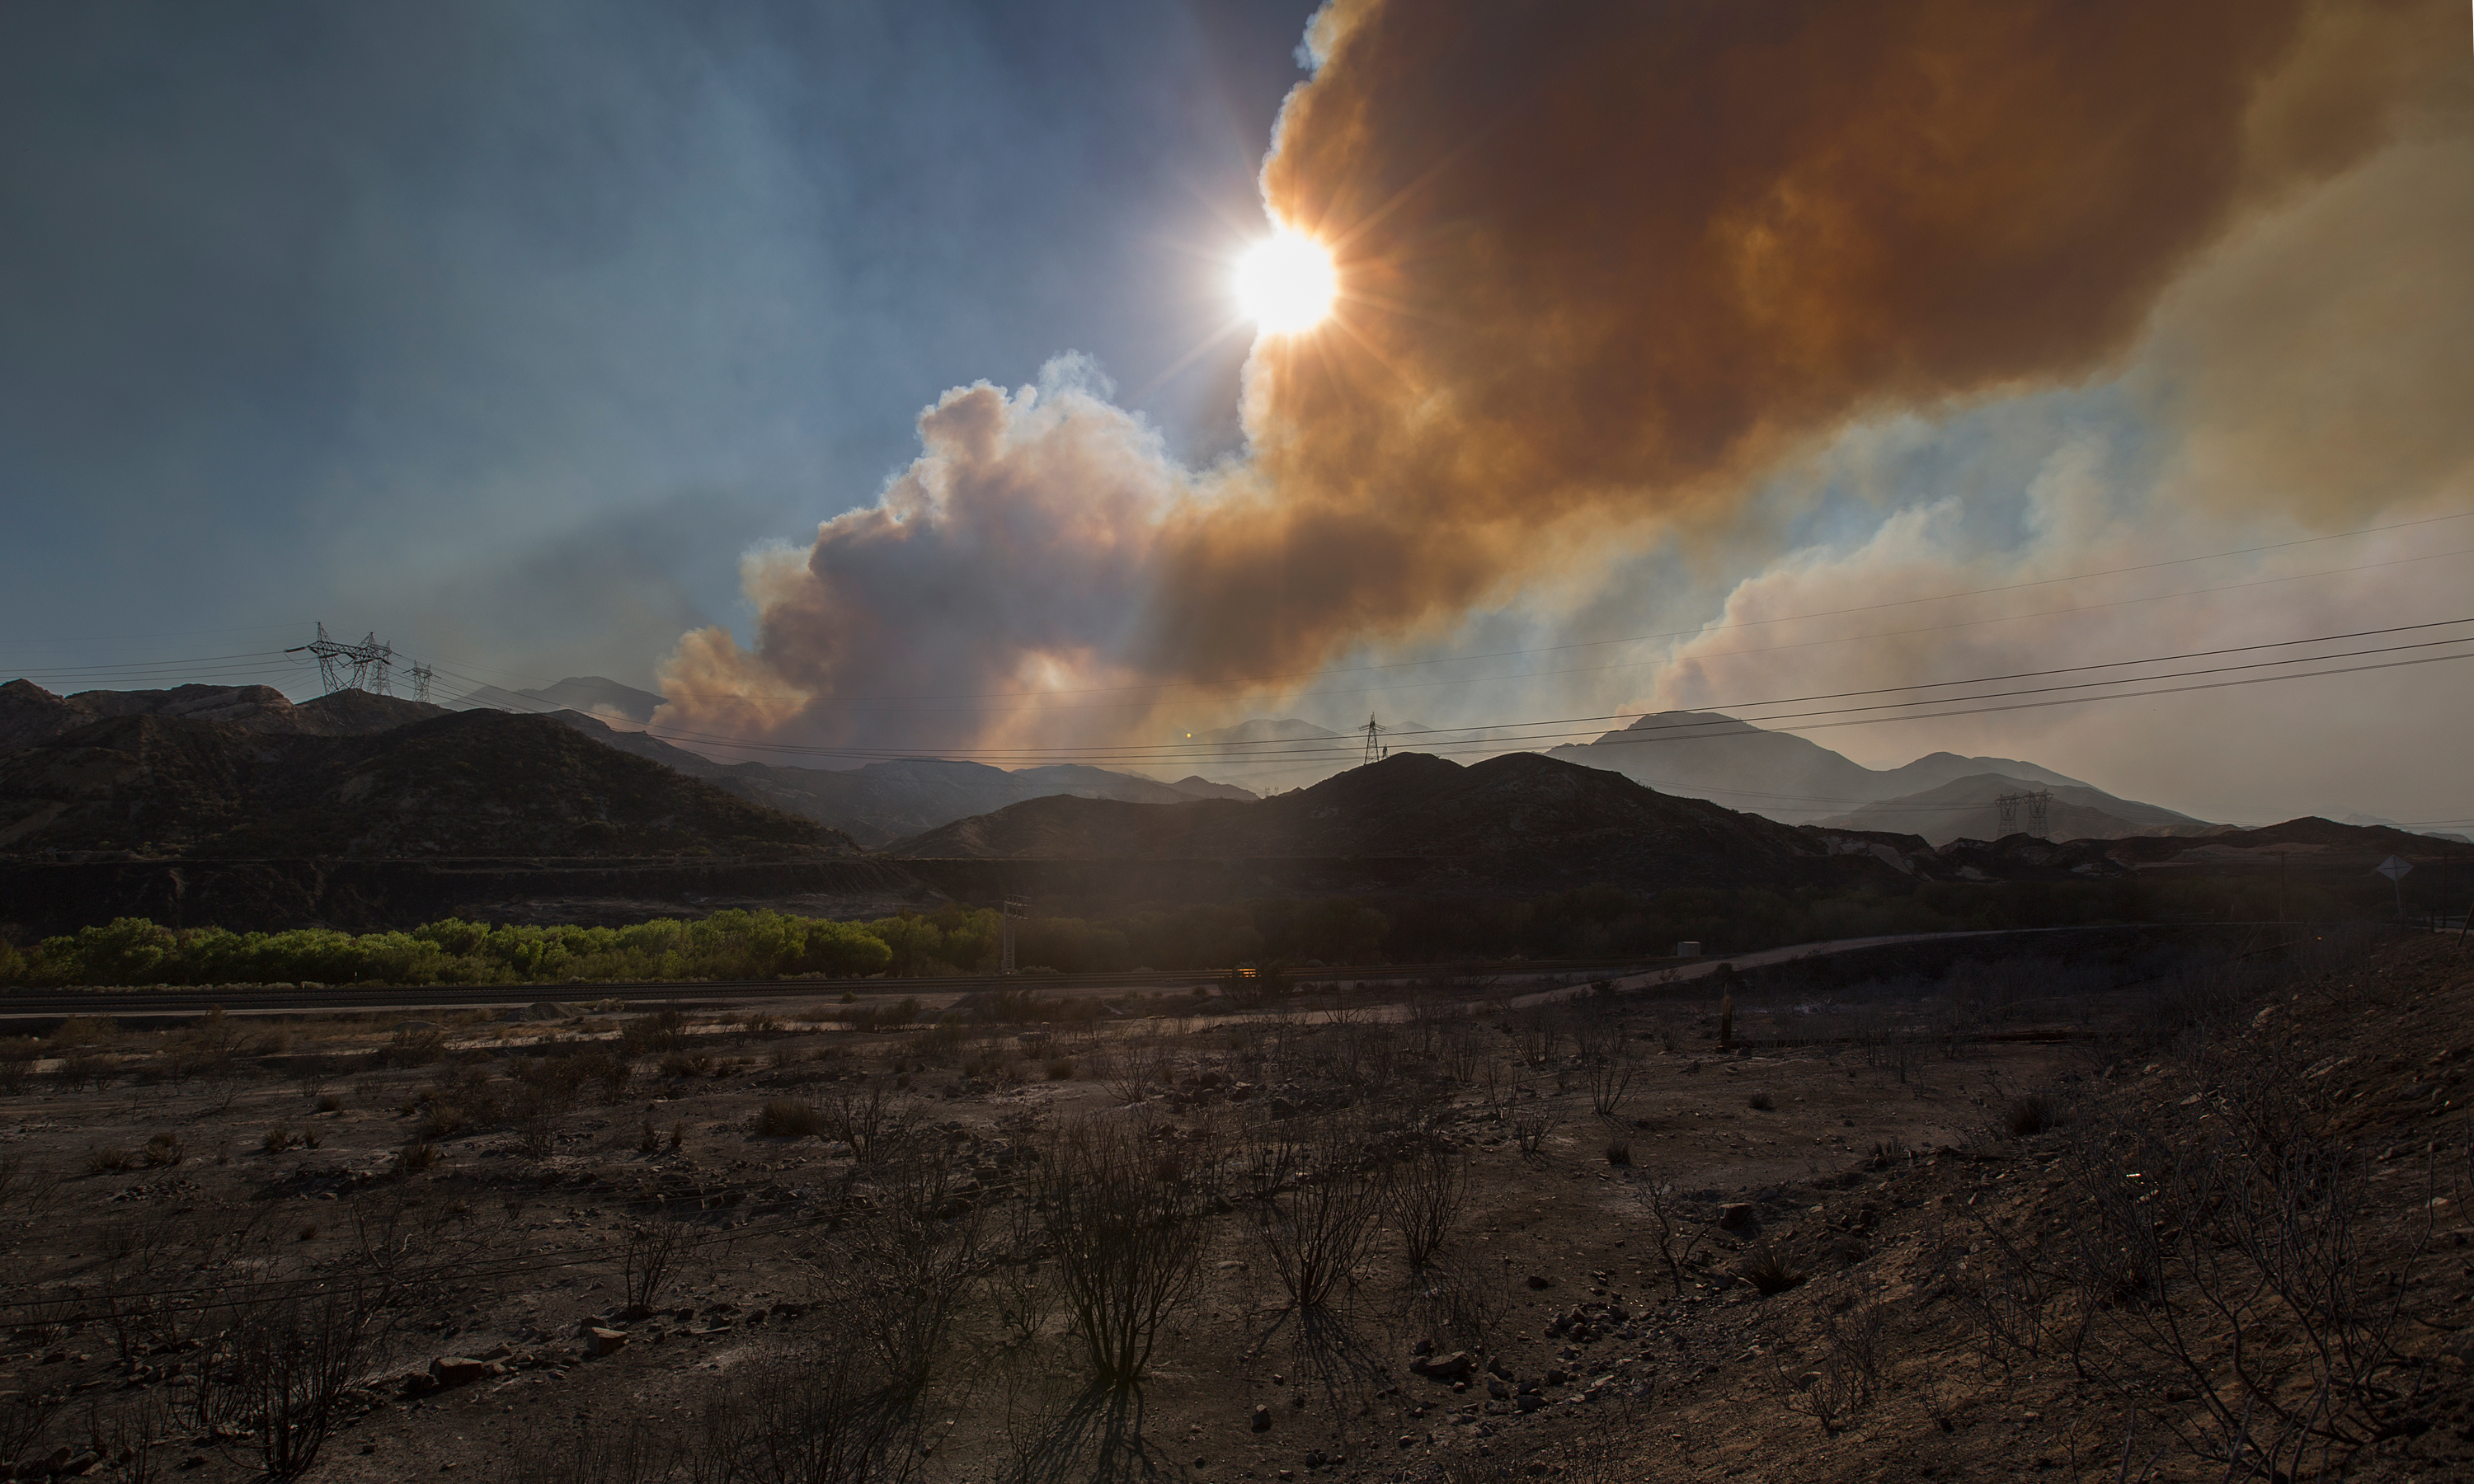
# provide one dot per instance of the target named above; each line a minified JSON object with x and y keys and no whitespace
{"x":1015,"y":909}
{"x":1375,"y":751}
{"x":346,"y":666}
{"x":2040,"y":812}
{"x":422,"y":675}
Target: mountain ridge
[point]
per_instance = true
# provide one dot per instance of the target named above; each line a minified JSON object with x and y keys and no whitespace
{"x":470,"y":784}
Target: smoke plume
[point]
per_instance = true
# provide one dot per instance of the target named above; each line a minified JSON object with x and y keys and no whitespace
{"x":1603,"y":267}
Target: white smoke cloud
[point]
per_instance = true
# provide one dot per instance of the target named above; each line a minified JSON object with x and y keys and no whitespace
{"x":1012,"y":557}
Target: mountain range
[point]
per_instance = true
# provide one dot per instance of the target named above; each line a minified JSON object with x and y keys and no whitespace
{"x":1968,"y":808}
{"x":466,"y":783}
{"x":1786,"y":776}
{"x":1520,"y":816}
{"x":886,"y":800}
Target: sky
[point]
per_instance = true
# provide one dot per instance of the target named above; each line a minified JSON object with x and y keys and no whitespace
{"x":868,"y":381}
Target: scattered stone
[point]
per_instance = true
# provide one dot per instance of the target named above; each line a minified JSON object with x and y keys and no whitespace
{"x":1262,"y":1419}
{"x":1540,"y":1280}
{"x":599,"y":1342}
{"x":457,"y":1370}
{"x":1736,"y":1216}
{"x":1454,"y":1367}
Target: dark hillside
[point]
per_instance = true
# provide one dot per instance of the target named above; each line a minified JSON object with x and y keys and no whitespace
{"x":467,"y":783}
{"x":2309,"y":841}
{"x":31,"y":715}
{"x":1522,"y":816}
{"x":886,"y":800}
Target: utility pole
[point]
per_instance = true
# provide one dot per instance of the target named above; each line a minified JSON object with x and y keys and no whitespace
{"x":2040,"y":812}
{"x":348,"y":666}
{"x":1014,"y":908}
{"x":421,"y":677}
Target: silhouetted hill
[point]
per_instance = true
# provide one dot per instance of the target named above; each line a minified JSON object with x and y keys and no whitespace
{"x":590,"y":694}
{"x":31,"y":715}
{"x":1518,"y":816}
{"x":454,"y":783}
{"x":1713,"y":756}
{"x":884,"y":800}
{"x":2309,"y":841}
{"x":1968,"y":809}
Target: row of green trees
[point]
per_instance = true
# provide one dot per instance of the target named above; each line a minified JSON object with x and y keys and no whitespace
{"x":1333,"y":932}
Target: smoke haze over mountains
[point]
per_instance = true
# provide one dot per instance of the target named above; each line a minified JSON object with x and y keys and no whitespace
{"x":1688,"y":357}
{"x":1844,"y":301}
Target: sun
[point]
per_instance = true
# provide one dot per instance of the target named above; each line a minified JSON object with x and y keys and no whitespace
{"x":1285,"y":283}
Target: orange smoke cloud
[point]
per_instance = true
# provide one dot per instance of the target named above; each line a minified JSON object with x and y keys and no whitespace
{"x":1600,"y":264}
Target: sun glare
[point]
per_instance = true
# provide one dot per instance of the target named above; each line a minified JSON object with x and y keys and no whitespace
{"x":1285,"y":283}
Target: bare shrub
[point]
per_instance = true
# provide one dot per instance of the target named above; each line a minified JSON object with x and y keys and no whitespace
{"x":688,"y":1063}
{"x":1531,"y":1130}
{"x":1609,"y":1076}
{"x":1129,"y":1250}
{"x":636,"y":1451}
{"x":1019,"y":1284}
{"x":2007,"y":1287}
{"x":1849,"y":1377}
{"x":1423,"y":1198}
{"x":1316,"y":1215}
{"x":1132,"y":1071}
{"x":663,"y":1030}
{"x":1675,"y":1228}
{"x":1761,"y":1102}
{"x":415,"y":1043}
{"x":1618,"y":1153}
{"x":110,"y":1158}
{"x":25,"y":1422}
{"x":2222,"y":1251}
{"x":901,"y":1275}
{"x":645,"y":1261}
{"x":86,"y":1069}
{"x":282,"y":1369}
{"x":1462,"y":1308}
{"x":26,"y":1190}
{"x":872,"y":1119}
{"x":829,"y":1417}
{"x":419,"y":1155}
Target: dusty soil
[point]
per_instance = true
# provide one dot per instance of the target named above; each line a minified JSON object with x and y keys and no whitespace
{"x":1878,"y":1168}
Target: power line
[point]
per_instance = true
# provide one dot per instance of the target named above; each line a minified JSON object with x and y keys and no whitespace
{"x":1152,"y":687}
{"x":1668,"y":733}
{"x":1317,"y":748}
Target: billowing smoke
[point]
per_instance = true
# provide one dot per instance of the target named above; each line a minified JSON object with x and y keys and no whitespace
{"x":1604,"y":267}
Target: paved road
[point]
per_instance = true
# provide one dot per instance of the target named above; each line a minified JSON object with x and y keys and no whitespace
{"x":1627,"y":974}
{"x":43,"y":1003}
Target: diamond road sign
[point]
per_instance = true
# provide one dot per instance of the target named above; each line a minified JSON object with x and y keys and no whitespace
{"x":2393,"y":868}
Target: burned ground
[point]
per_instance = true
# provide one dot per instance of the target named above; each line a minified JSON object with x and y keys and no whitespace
{"x":568,"y":1244}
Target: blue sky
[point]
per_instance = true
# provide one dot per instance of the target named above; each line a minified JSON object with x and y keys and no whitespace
{"x":505,"y":329}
